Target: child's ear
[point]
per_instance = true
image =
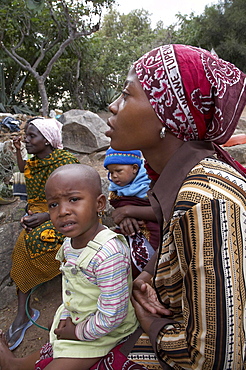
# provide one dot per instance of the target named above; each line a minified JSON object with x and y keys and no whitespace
{"x":101,"y":203}
{"x":135,"y":168}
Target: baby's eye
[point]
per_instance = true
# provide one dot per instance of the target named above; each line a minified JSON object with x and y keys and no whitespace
{"x":74,"y":199}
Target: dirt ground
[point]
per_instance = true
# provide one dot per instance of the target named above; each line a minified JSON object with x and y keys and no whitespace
{"x":46,"y":298}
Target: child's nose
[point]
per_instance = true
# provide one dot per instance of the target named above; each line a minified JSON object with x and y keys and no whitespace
{"x":64,"y":209}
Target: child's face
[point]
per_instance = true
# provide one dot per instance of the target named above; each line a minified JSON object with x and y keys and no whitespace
{"x":122,"y":174}
{"x":73,"y":207}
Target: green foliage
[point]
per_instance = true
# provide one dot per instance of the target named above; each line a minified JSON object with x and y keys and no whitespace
{"x":110,"y":52}
{"x":90,"y":70}
{"x":35,"y":33}
{"x":221,"y":27}
{"x":10,"y":101}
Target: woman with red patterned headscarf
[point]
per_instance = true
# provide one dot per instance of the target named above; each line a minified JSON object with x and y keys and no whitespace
{"x":178,"y":104}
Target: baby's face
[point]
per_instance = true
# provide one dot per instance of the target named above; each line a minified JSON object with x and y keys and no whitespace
{"x":122,"y":174}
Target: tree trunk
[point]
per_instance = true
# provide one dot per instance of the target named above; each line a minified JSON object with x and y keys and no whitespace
{"x":44,"y":97}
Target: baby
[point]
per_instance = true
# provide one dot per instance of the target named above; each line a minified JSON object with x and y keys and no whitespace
{"x":133,"y":213}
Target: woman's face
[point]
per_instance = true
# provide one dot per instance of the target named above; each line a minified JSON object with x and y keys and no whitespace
{"x":36,"y":142}
{"x":134,"y":124}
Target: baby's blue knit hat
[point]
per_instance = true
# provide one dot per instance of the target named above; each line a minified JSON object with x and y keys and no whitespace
{"x":121,"y":157}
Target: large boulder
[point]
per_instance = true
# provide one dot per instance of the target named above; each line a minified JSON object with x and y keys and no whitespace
{"x":83,"y":131}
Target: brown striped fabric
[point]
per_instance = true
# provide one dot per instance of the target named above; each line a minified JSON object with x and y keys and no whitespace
{"x":201,"y":268}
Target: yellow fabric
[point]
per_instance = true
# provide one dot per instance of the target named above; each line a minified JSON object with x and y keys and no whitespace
{"x":33,"y":258}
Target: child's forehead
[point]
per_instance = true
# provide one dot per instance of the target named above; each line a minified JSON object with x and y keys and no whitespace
{"x":67,"y":179}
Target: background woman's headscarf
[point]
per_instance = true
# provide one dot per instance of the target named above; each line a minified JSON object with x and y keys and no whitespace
{"x":195,"y":94}
{"x":51,"y":129}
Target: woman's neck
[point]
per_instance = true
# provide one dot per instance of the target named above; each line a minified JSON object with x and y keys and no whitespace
{"x":45,"y":153}
{"x":158,"y":156}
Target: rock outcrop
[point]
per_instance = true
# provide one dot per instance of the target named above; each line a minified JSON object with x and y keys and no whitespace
{"x":83,"y":131}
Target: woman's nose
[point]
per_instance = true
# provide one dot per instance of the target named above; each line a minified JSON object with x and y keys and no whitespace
{"x":113,"y":107}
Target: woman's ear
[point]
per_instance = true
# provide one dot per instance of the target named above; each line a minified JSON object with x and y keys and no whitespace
{"x":101,"y":203}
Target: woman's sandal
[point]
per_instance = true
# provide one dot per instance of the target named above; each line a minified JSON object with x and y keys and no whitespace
{"x":23,"y":329}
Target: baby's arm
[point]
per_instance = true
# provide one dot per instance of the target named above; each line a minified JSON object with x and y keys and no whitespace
{"x":113,"y":301}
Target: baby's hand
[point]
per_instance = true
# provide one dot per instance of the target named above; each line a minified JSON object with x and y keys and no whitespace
{"x":66,"y":329}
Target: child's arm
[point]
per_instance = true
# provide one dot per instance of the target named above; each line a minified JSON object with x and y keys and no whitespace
{"x":113,"y":301}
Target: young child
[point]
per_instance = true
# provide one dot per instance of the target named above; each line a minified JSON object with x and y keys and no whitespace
{"x":96,"y":312}
{"x":133,"y":213}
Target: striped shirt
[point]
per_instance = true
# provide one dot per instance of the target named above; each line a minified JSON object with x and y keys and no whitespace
{"x":109,"y":270}
{"x":201,"y":271}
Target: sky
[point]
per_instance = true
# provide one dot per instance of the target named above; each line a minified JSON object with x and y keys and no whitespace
{"x":164,"y":10}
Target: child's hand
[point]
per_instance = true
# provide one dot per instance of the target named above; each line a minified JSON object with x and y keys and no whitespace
{"x":66,"y":330}
{"x":129,"y":226}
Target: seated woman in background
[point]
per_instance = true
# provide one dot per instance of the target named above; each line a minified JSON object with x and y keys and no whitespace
{"x":33,"y":259}
{"x":133,"y":213}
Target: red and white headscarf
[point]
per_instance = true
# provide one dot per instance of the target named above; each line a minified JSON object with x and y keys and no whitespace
{"x":195,"y":94}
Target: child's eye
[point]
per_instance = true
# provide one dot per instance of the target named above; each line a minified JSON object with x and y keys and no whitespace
{"x":74,"y":199}
{"x":53,"y":205}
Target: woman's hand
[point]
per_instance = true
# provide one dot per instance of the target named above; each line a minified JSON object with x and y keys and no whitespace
{"x":119,"y":214}
{"x":145,"y":296}
{"x":33,"y":220}
{"x":17,"y":142}
{"x":66,"y":329}
{"x":145,"y":318}
{"x":129,"y":226}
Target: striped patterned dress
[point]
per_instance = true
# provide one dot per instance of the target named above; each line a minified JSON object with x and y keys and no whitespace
{"x":201,"y":270}
{"x":109,"y":270}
